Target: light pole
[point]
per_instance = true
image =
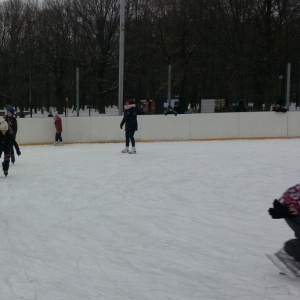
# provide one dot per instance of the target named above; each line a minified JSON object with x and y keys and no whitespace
{"x":288,"y":86}
{"x":121,"y":55}
{"x":30,"y":90}
{"x":77,"y":92}
{"x":280,"y":87}
{"x":169,"y":83}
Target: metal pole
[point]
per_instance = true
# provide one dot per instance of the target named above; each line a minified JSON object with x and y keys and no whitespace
{"x":66,"y":107}
{"x":77,"y":92}
{"x":30,"y":93}
{"x":121,"y":55}
{"x":299,"y":95}
{"x":169,"y":84}
{"x":288,"y":86}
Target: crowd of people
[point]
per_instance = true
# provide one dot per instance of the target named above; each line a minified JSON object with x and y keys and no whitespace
{"x":8,"y":134}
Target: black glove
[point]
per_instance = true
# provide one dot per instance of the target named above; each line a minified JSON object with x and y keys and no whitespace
{"x":18,"y":152}
{"x":280,"y":211}
{"x":121,"y":126}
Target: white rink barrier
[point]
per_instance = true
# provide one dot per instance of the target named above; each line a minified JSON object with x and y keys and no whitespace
{"x":163,"y":128}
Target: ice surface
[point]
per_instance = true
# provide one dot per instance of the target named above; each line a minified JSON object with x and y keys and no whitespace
{"x":177,"y":221}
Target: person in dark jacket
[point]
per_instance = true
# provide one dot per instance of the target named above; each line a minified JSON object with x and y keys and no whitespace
{"x":241,"y":106}
{"x":277,"y":107}
{"x":13,"y":124}
{"x":170,"y":110}
{"x":7,"y":141}
{"x":177,"y":108}
{"x":131,"y":125}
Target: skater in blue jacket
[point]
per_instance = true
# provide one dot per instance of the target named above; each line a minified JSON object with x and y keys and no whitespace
{"x":131,"y":125}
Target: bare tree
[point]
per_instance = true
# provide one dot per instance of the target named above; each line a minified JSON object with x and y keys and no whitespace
{"x":54,"y":46}
{"x":14,"y":33}
{"x":97,"y":41}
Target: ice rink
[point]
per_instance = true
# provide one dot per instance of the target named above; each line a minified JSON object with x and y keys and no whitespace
{"x":177,"y":221}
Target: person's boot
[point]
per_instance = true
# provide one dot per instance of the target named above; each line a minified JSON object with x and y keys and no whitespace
{"x":289,"y":261}
{"x":5,"y":166}
{"x":132,"y":151}
{"x":126,"y":150}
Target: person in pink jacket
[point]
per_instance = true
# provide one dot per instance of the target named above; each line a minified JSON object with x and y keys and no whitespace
{"x":287,"y":207}
{"x":58,"y":127}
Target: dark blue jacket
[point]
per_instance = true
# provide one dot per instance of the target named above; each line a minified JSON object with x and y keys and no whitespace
{"x":12,"y":122}
{"x":130,"y":119}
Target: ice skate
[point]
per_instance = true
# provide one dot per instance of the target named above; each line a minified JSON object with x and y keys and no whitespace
{"x":12,"y":159}
{"x":5,"y":171}
{"x":126,"y":150}
{"x":285,"y":263}
{"x":132,"y":151}
{"x":60,"y":143}
{"x":55,"y":144}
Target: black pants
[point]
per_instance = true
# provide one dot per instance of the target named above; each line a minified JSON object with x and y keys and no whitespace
{"x":292,"y":247}
{"x":58,"y":137}
{"x":129,"y":135}
{"x":5,"y":163}
{"x":12,"y":152}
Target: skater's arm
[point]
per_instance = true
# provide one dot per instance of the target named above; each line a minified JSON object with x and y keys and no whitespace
{"x":123,"y":122}
{"x":15,"y":144}
{"x":15,"y":129}
{"x":279,"y":211}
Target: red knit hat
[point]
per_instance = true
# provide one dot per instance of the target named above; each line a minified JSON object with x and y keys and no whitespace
{"x":130,"y":101}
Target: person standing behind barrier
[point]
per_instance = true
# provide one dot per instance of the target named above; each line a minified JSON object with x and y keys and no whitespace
{"x":58,"y":128}
{"x":170,"y":110}
{"x":131,"y":125}
{"x":241,"y":106}
{"x":13,"y":124}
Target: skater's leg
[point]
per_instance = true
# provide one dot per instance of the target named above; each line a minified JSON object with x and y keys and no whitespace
{"x":292,"y":247}
{"x":127,"y":134}
{"x":58,"y":139}
{"x":12,"y":154}
{"x":294,"y":223}
{"x":132,"y":140}
{"x":131,"y":137}
{"x":5,"y":163}
{"x":126,"y":150}
{"x":59,"y":136}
